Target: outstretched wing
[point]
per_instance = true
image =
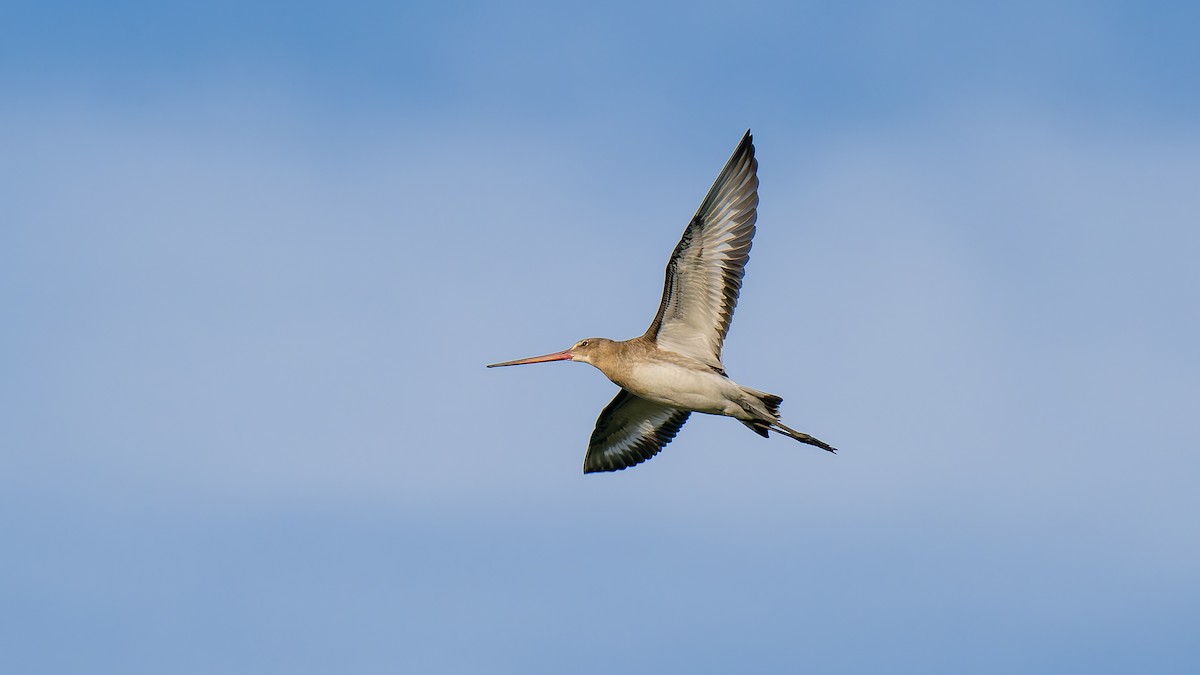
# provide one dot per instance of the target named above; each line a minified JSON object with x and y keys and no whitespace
{"x":704,"y":275}
{"x":630,"y":431}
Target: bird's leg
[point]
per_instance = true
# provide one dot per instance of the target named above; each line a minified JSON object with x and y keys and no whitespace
{"x":802,"y":437}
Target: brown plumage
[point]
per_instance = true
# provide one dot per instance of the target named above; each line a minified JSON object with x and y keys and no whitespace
{"x":675,"y":368}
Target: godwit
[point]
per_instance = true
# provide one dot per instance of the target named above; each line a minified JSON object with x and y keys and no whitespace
{"x":675,"y":369}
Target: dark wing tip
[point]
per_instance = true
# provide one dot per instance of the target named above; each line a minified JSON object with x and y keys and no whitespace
{"x":603,"y":462}
{"x":744,"y":147}
{"x":589,"y":467}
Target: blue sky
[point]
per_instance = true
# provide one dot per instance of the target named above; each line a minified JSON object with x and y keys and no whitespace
{"x":254,"y":258}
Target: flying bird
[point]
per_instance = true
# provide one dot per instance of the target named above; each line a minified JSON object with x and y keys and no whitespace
{"x":675,"y":368}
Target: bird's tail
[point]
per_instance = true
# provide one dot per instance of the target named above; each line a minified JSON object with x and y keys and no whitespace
{"x":770,"y":401}
{"x":760,"y":426}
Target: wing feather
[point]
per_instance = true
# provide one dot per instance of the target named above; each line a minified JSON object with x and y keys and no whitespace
{"x":629,"y":431}
{"x":704,"y":275}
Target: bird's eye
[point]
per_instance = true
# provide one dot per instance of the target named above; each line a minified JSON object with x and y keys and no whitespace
{"x":583,"y":343}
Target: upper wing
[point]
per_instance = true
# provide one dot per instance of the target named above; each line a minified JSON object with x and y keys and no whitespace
{"x":630,"y":431}
{"x":704,"y":275}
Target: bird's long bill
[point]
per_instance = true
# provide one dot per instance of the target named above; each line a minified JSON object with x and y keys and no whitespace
{"x":564,"y":355}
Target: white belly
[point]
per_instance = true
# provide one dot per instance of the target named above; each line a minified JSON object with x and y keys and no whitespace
{"x":683,"y":387}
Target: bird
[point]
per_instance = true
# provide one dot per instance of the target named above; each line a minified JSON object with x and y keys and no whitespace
{"x":675,"y":368}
